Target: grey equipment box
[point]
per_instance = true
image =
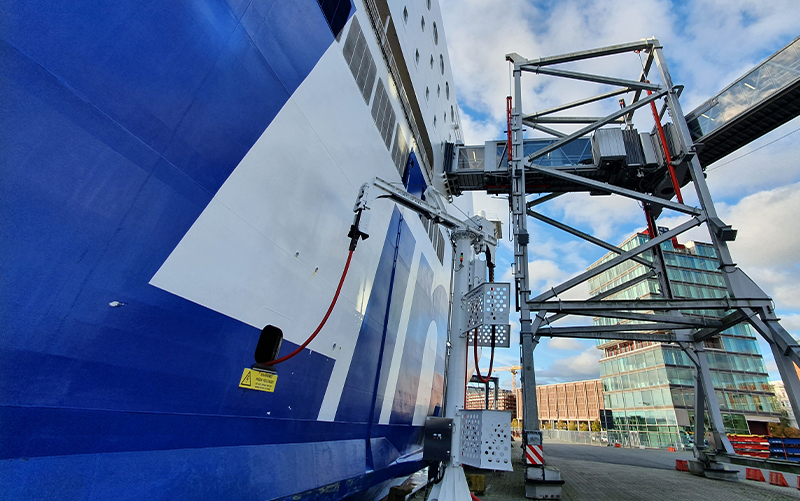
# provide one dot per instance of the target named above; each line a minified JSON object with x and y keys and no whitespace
{"x":438,"y":439}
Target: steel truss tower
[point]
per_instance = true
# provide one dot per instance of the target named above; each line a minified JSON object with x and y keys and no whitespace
{"x":656,"y":319}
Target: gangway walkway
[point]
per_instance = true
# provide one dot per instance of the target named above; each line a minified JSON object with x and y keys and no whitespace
{"x":763,"y":99}
{"x":760,"y":101}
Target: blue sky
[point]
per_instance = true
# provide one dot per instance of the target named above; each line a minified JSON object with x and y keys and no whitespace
{"x":708,"y":44}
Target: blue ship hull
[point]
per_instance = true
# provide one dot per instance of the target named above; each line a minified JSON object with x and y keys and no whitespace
{"x":120,"y":122}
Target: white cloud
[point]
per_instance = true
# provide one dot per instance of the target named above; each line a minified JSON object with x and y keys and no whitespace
{"x":767,"y":244}
{"x":561,"y":343}
{"x":581,"y":366}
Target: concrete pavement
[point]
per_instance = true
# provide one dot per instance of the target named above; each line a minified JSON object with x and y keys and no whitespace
{"x":596,"y":473}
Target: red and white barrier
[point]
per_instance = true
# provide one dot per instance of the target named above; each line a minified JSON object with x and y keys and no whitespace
{"x":534,"y":455}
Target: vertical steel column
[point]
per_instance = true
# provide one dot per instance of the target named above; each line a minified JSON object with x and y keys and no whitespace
{"x":521,"y":238}
{"x":727,"y":266}
{"x":699,"y":411}
{"x":772,"y":331}
{"x":456,"y":375}
{"x":714,"y":414}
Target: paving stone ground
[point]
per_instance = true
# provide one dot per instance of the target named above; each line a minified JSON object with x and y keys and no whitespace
{"x":597,"y":473}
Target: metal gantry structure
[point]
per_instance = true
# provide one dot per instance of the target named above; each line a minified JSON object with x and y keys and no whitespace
{"x":660,"y":319}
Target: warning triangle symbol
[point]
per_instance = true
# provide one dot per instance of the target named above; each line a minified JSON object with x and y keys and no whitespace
{"x":246,"y":380}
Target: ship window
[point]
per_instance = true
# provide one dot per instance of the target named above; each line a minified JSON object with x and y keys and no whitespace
{"x":435,"y":34}
{"x":438,"y":90}
{"x":429,"y":4}
{"x":383,"y":114}
{"x":400,"y":151}
{"x":416,"y":57}
{"x":336,"y":13}
{"x":441,"y":63}
{"x":405,"y":15}
{"x":269,"y":344}
{"x":452,"y":114}
{"x":447,"y":91}
{"x":427,"y":93}
{"x":434,"y":120}
{"x":431,"y":61}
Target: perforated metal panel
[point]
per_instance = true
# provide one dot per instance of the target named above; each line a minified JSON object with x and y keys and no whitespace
{"x":501,"y":336}
{"x":486,"y":439}
{"x":489,"y":304}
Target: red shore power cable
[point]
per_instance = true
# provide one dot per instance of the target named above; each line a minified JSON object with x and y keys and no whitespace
{"x":508,"y":117}
{"x":491,"y":359}
{"x":324,"y":319}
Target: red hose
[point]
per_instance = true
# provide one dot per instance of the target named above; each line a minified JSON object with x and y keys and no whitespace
{"x":474,"y":497}
{"x":321,"y":324}
{"x":675,"y":185}
{"x":508,"y":117}
{"x":651,"y":228}
{"x":491,"y":359}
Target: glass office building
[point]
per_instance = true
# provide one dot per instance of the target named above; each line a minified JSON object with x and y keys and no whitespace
{"x":650,"y":386}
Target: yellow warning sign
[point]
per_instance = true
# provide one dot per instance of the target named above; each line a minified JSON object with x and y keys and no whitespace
{"x":258,"y":380}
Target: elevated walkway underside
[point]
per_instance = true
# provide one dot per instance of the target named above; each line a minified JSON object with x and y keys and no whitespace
{"x":763,"y":99}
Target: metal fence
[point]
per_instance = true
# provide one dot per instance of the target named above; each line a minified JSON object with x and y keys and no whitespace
{"x":631,"y":439}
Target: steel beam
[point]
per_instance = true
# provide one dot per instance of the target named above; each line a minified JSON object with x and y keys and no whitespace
{"x":610,"y":188}
{"x":574,"y":104}
{"x":675,"y":319}
{"x":736,"y":317}
{"x":648,"y":304}
{"x":542,"y":199}
{"x":642,"y":78}
{"x":546,"y":130}
{"x":610,"y":292}
{"x":587,"y":54}
{"x":575,"y":135}
{"x":585,"y":236}
{"x":620,"y":328}
{"x":567,"y":332}
{"x":569,"y":120}
{"x":588,"y":77}
{"x":555,"y":291}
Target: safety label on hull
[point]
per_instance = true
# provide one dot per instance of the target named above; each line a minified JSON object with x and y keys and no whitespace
{"x":258,"y":380}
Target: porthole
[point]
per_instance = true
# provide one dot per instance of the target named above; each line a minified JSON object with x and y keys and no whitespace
{"x":452,"y":114}
{"x":447,"y":91}
{"x":429,"y":4}
{"x":416,"y":57}
{"x":441,"y":63}
{"x":434,"y":120}
{"x":405,"y":15}
{"x":422,"y":23}
{"x":435,"y":34}
{"x":431,"y":61}
{"x":444,"y":117}
{"x":427,"y":93}
{"x":438,"y":90}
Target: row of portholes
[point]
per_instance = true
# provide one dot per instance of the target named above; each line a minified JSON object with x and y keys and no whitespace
{"x":422,"y":23}
{"x":441,"y":68}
